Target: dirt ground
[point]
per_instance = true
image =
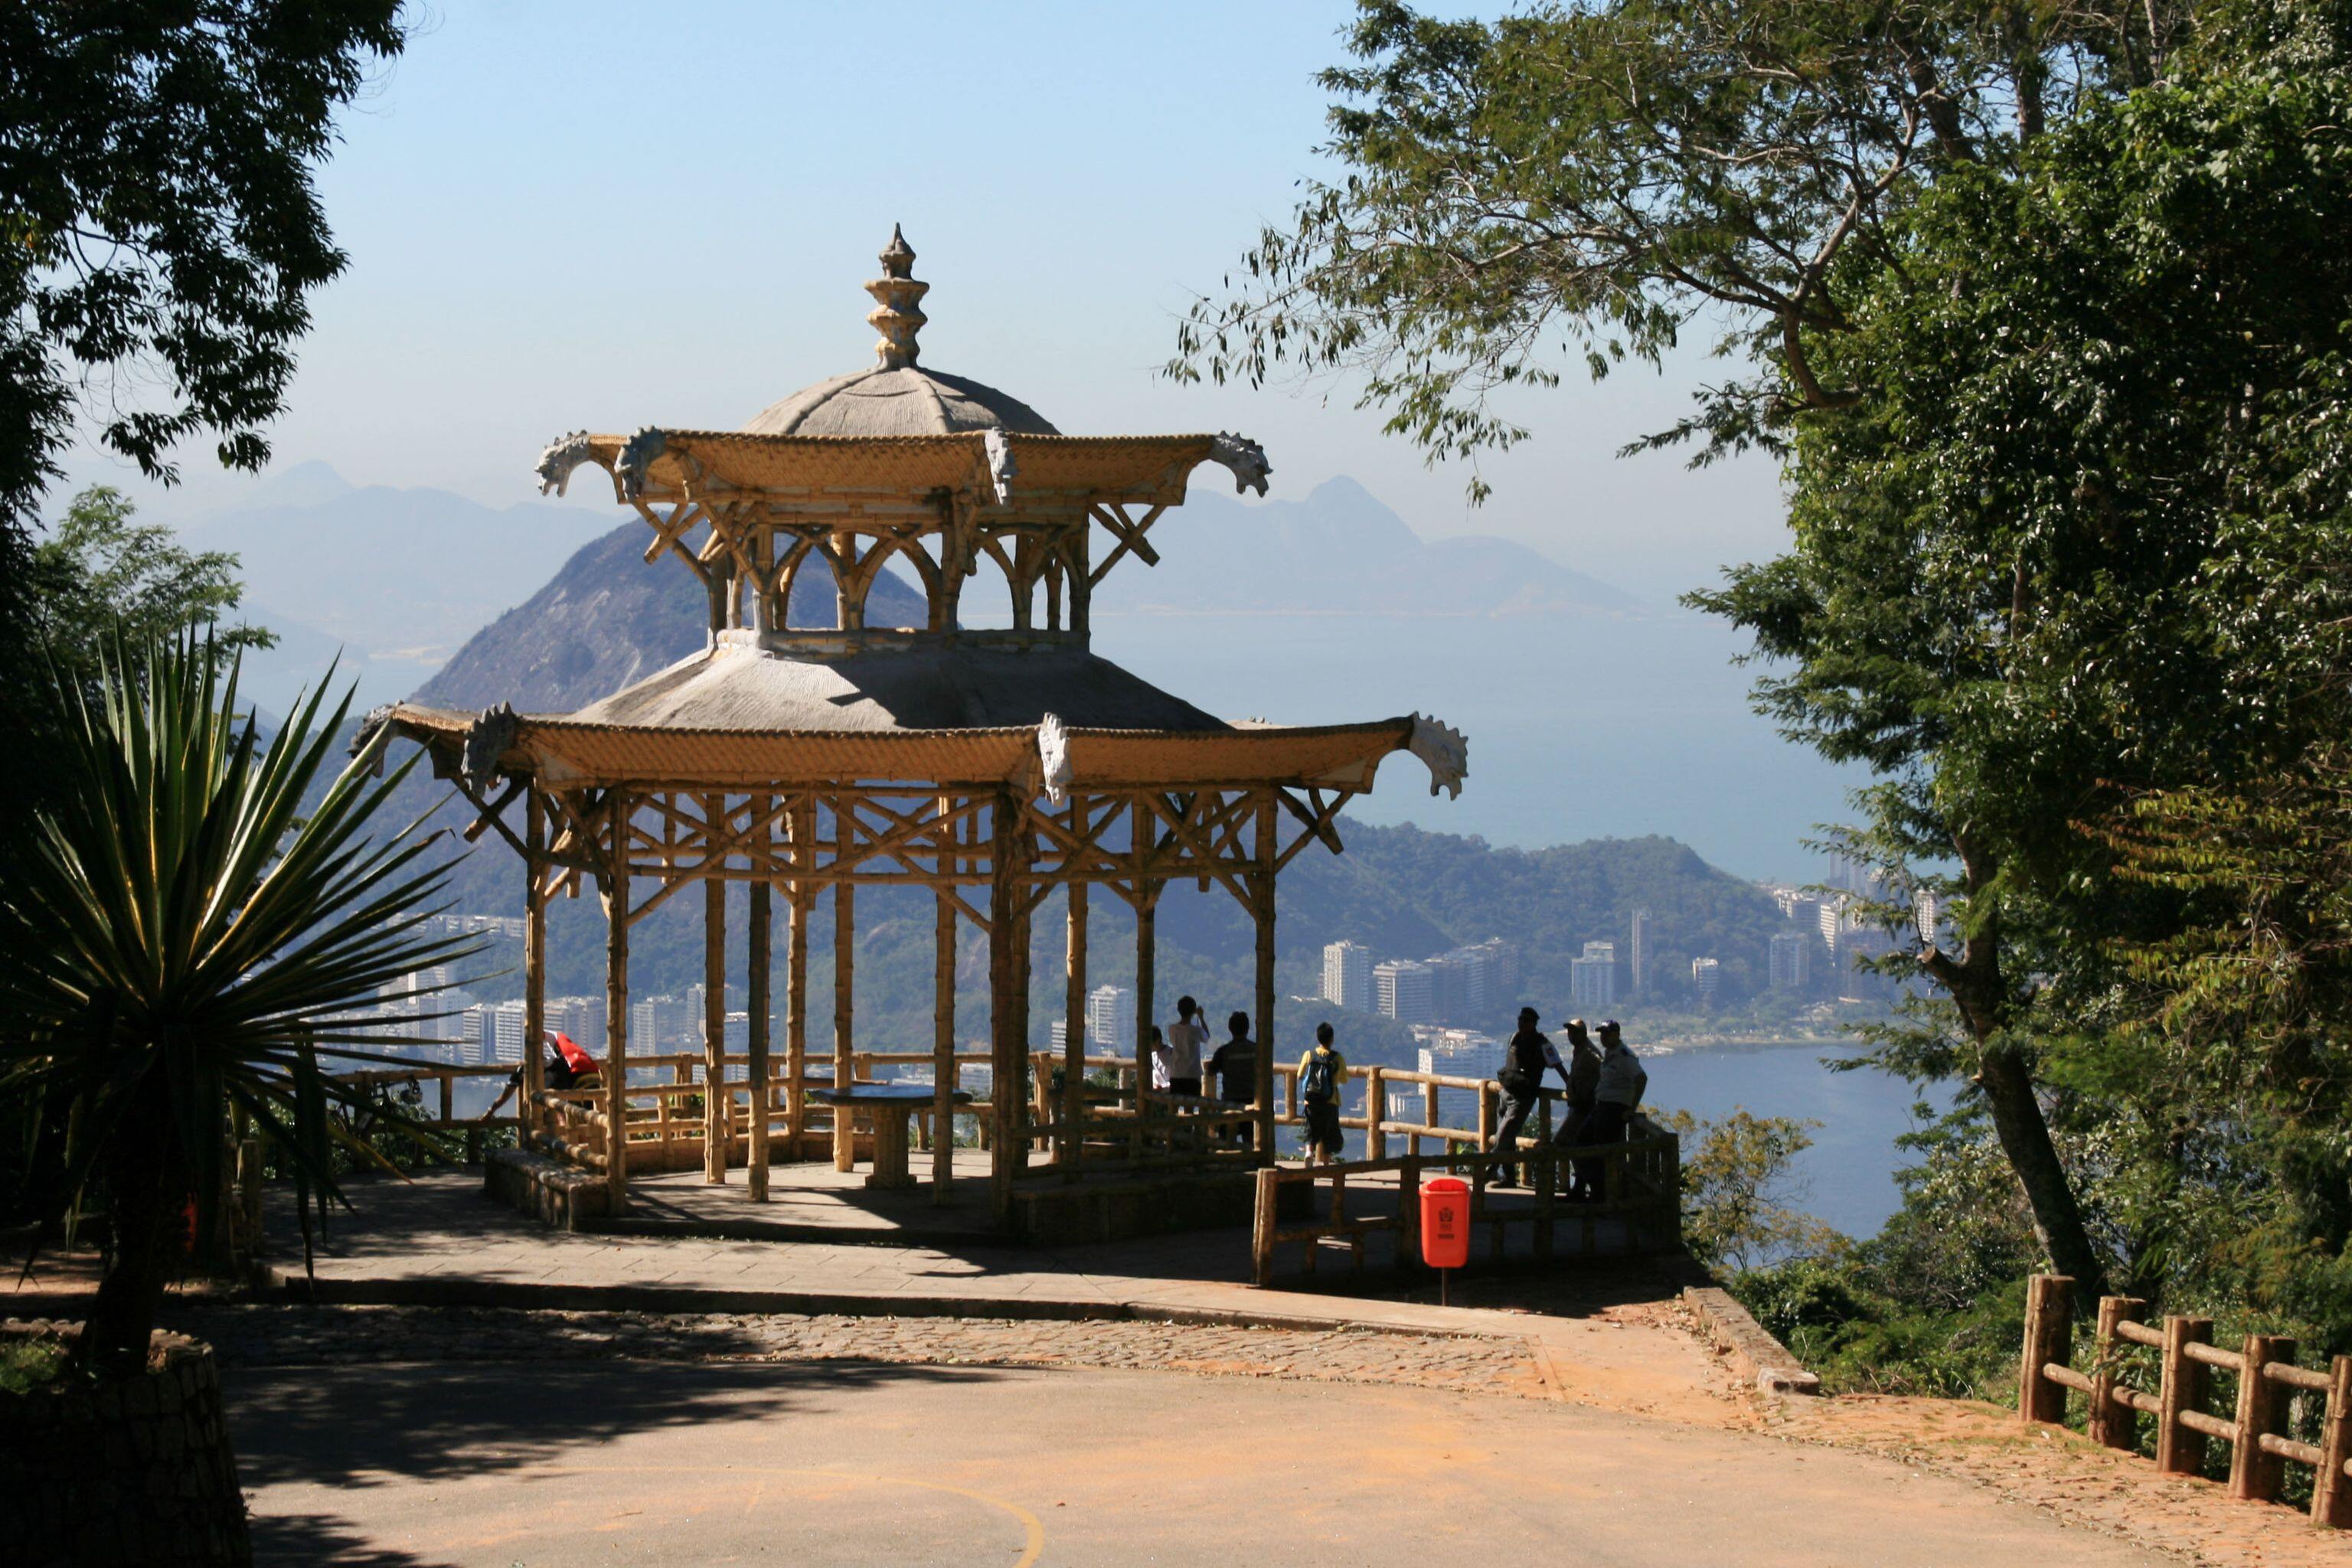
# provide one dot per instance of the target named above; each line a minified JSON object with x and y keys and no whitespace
{"x":2067,"y":1476}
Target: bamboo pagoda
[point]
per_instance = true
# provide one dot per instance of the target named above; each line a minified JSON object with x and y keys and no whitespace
{"x":991,"y":766}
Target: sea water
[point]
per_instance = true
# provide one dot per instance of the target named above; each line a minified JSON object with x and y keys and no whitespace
{"x":1847,"y":1177}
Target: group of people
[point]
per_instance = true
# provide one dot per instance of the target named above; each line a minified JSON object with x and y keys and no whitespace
{"x":1604,"y":1083}
{"x":1179,"y":1052}
{"x":1604,"y":1086}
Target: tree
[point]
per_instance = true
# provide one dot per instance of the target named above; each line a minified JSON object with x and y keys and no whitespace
{"x":183,"y":940}
{"x":160,"y":235}
{"x":101,"y":580}
{"x":2067,"y":551}
{"x":1613,"y":173}
{"x":1737,"y":1191}
{"x":1993,"y":273}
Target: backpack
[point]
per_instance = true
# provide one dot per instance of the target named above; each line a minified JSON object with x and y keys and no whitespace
{"x":1321,"y":1078}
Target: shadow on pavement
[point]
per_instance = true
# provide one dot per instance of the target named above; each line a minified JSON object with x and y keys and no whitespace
{"x":317,"y":1538}
{"x":434,"y":1421}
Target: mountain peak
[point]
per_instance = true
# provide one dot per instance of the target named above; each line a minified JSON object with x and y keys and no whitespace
{"x":311,"y":483}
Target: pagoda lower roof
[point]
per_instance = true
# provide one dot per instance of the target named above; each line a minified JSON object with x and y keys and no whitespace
{"x":743,"y":716}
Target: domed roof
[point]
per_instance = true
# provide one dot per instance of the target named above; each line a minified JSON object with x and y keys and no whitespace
{"x":896,"y":398}
{"x":881,"y":401}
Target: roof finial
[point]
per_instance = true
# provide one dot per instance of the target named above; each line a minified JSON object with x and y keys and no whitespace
{"x":896,"y":314}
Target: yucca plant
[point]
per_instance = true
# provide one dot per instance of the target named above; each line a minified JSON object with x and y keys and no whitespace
{"x":185,"y":940}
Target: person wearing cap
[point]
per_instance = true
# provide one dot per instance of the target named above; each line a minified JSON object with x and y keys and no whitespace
{"x":1616,"y":1093}
{"x":1583,"y":1085}
{"x":1522,"y":1082}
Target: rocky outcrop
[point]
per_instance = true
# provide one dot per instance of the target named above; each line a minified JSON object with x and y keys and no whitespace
{"x":607,"y":619}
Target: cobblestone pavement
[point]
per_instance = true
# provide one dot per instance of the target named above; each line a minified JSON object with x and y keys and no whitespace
{"x":269,"y":1335}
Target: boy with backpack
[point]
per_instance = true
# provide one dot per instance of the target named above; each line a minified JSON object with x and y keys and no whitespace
{"x":1321,"y":1071}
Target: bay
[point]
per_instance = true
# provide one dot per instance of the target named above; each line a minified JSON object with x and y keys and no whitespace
{"x":1847,"y":1178}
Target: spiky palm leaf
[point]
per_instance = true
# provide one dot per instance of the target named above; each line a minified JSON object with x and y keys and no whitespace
{"x":184,"y":942}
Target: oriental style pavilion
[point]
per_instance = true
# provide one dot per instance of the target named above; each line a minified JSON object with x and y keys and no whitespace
{"x":990,"y":766}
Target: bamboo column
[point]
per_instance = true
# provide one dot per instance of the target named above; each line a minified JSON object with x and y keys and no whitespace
{"x":1147,"y":980}
{"x":714,"y":1001}
{"x":534,"y":966}
{"x":1069,"y":1150}
{"x":802,"y":894}
{"x":943,"y":1008}
{"x":844,"y":964}
{"x":1024,"y":951}
{"x":755,"y":1156}
{"x":1261,"y":888}
{"x":1004,"y":1091}
{"x":617,"y":1003}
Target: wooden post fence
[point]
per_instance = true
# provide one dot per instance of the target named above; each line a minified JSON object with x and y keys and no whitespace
{"x":2267,"y":1379}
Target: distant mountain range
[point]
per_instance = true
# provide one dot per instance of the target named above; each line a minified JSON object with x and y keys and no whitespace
{"x":1341,"y":551}
{"x":386,"y":571}
{"x":552,"y":606}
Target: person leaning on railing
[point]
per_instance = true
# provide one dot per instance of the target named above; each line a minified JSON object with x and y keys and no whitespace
{"x":1616,"y":1095}
{"x":1186,"y":1035}
{"x":1522,"y":1081}
{"x":1583,"y":1085}
{"x":1236,"y":1065}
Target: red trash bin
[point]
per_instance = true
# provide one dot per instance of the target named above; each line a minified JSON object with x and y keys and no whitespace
{"x":1446,"y":1222}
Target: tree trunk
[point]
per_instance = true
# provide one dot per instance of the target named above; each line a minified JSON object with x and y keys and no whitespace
{"x":1978,"y":987}
{"x":147,"y":1190}
{"x":2024,"y":1136}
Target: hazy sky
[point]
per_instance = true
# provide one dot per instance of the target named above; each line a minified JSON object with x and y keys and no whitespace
{"x":609,"y":216}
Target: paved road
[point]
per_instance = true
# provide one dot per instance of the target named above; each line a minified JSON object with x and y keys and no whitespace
{"x":529,"y":1465}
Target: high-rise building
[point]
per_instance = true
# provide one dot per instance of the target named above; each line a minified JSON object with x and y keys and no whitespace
{"x":461,"y":1038}
{"x":1462,"y":985}
{"x":506,"y":1045}
{"x":1593,"y":979}
{"x":1792,"y":952}
{"x":1110,"y":1019}
{"x":1706,"y":976}
{"x":1831,"y":920}
{"x":1451,"y":1053}
{"x":1503,"y":977}
{"x":654,"y":1023}
{"x":1406,"y":991}
{"x":1928,"y":911}
{"x":1057,"y":1033}
{"x":1347,"y":975}
{"x":1637,"y":957}
{"x":579,"y":1017}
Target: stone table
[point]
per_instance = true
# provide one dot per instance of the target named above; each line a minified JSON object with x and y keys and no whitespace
{"x":893,"y":1105}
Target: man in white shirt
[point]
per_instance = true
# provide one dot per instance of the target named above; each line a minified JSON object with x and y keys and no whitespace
{"x":1623,"y":1083}
{"x":1182,"y":1051}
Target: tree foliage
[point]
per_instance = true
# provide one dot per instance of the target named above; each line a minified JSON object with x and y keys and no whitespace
{"x":159,"y":233}
{"x":2043,"y":309}
{"x":100,"y":581}
{"x":1590,"y":182}
{"x":1740,"y":1197}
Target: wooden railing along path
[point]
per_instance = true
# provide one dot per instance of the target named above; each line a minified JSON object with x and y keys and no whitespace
{"x":2268,"y":1384}
{"x":1641,"y":1188}
{"x":1119,"y":1128}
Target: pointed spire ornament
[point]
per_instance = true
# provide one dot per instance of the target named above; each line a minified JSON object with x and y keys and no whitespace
{"x":897,"y":312}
